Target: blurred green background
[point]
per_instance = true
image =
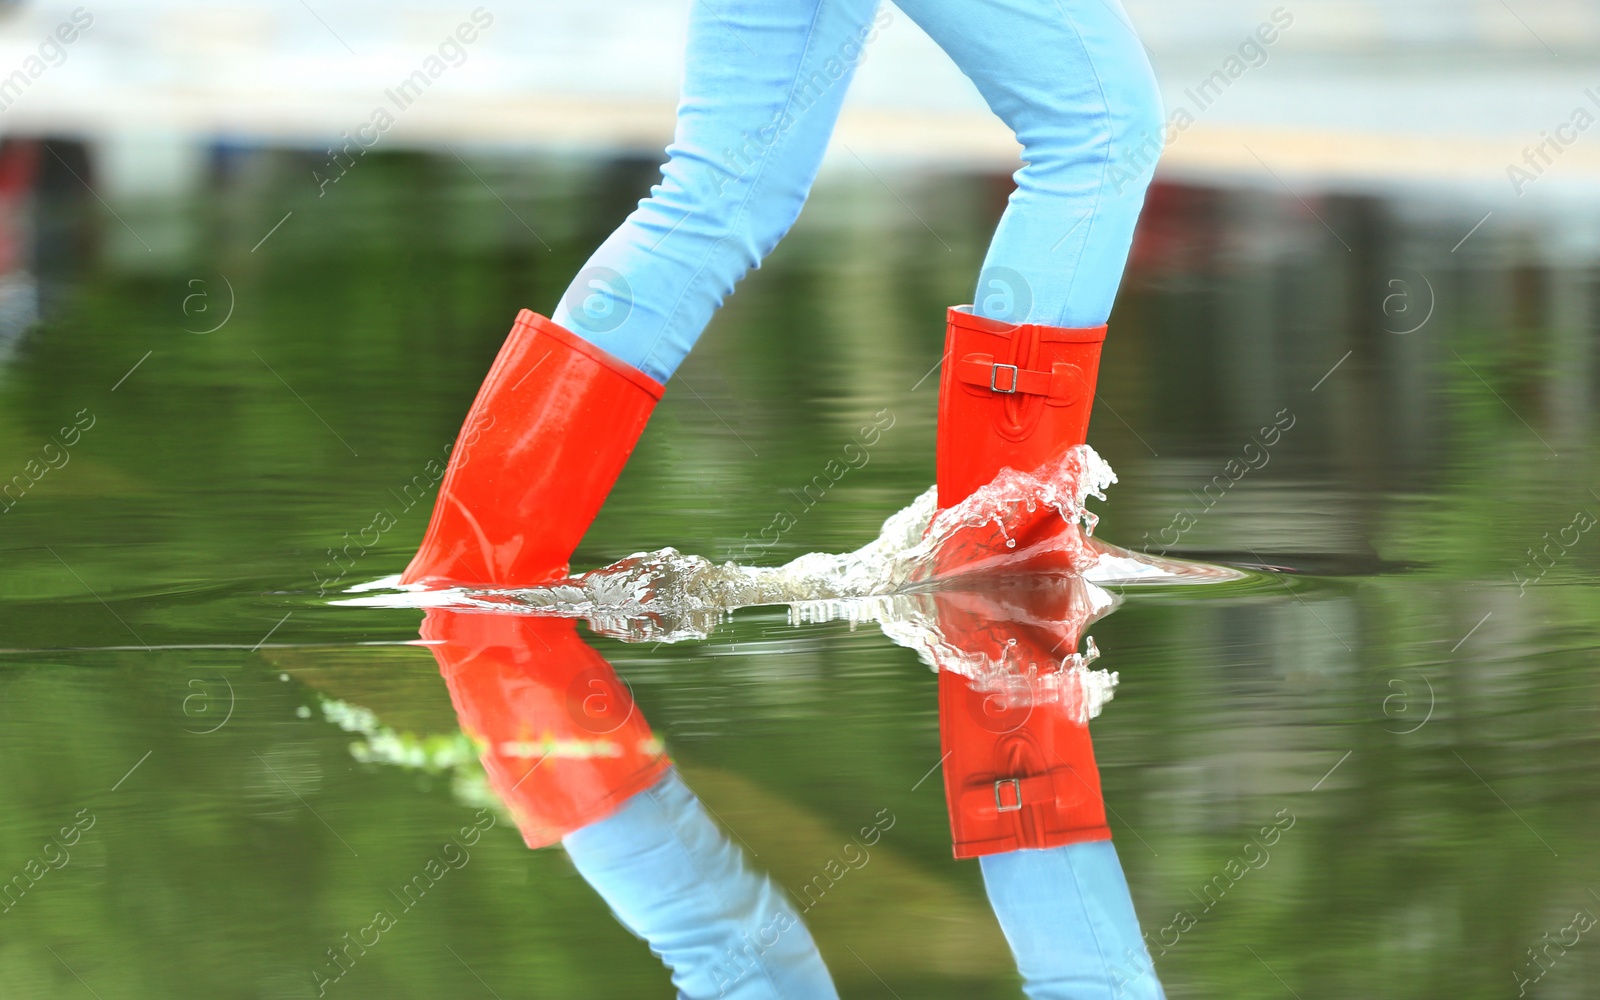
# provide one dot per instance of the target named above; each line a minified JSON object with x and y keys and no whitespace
{"x":1429,"y":721}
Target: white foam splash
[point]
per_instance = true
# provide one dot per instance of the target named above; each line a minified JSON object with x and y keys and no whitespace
{"x":1018,"y":671}
{"x":668,"y":596}
{"x":1013,"y":498}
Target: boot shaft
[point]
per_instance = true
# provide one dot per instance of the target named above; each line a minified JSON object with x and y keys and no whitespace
{"x":1010,"y":395}
{"x":547,"y":436}
{"x":1019,"y":766}
{"x":562,"y":742}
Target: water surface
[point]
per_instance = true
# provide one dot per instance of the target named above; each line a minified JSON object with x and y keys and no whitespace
{"x":1406,"y":667}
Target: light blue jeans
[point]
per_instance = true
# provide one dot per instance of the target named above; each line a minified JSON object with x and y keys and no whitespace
{"x":762,"y":88}
{"x":1069,"y":920}
{"x":673,"y":878}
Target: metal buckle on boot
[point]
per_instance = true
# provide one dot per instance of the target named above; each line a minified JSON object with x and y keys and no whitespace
{"x":1016,"y":792}
{"x":994,"y":377}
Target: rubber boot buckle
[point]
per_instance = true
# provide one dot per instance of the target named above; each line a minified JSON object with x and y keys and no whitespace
{"x":994,"y":378}
{"x":1016,"y":794}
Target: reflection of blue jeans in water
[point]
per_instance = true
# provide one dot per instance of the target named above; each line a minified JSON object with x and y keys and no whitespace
{"x":673,"y":878}
{"x":1070,"y":922}
{"x":762,"y":87}
{"x":763,"y":83}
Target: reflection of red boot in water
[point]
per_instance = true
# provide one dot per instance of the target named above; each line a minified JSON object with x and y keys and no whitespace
{"x":546,"y":438}
{"x":568,"y":752}
{"x":1011,"y":396}
{"x":1019,"y":770}
{"x":1019,"y":767}
{"x":562,"y":741}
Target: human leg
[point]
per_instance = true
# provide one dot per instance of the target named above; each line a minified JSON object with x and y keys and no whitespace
{"x":676,"y":880}
{"x":762,"y":87}
{"x":1070,"y":922}
{"x":1071,"y":79}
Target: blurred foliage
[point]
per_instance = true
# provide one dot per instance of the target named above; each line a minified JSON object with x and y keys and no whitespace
{"x":219,"y":473}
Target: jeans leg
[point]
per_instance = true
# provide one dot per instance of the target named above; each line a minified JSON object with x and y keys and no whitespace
{"x":674,"y":879}
{"x":1069,"y":919}
{"x":763,"y":81}
{"x":1071,"y":79}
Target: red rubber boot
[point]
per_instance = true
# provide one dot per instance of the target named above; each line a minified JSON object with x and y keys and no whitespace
{"x":1019,"y":768}
{"x":562,"y":741}
{"x":550,"y":431}
{"x":1019,"y":397}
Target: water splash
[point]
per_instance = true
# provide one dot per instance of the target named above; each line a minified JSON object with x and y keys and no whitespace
{"x":1036,"y":619}
{"x":1004,"y":631}
{"x":668,"y":596}
{"x":1013,"y":499}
